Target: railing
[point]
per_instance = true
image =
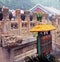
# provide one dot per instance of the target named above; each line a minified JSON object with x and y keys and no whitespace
{"x":10,"y":40}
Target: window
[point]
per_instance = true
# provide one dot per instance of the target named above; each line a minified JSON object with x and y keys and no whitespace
{"x":1,"y":15}
{"x":32,"y":24}
{"x":23,"y":17}
{"x":14,"y":25}
{"x":31,"y":17}
{"x":24,"y":24}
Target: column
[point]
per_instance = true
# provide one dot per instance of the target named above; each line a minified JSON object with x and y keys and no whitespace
{"x":6,"y":19}
{"x":18,"y":13}
{"x":38,"y":44}
{"x":5,"y":13}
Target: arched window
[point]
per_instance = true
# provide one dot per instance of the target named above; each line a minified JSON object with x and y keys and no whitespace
{"x":1,"y":15}
{"x":23,"y":17}
{"x":32,"y":24}
{"x":31,"y":16}
{"x":14,"y":25}
{"x":24,"y":24}
{"x":10,"y":15}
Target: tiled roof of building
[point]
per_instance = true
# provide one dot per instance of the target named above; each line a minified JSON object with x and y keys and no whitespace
{"x":44,"y":9}
{"x":38,"y":8}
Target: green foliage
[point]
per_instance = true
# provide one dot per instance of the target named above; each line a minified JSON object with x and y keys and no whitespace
{"x":39,"y":17}
{"x":34,"y":34}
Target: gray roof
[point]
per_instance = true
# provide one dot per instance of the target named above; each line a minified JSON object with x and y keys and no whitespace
{"x":48,"y":10}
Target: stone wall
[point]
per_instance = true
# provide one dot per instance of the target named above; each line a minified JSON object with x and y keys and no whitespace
{"x":20,"y":27}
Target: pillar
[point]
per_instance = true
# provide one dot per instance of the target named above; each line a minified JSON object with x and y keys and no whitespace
{"x":27,"y":15}
{"x":5,"y":13}
{"x":6,"y":19}
{"x":34,"y":16}
{"x":38,"y":44}
{"x":18,"y":13}
{"x":25,"y":29}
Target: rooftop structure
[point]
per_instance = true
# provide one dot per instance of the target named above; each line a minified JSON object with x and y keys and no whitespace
{"x":45,"y":9}
{"x":42,"y":28}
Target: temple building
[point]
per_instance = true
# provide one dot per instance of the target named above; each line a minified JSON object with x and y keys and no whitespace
{"x":15,"y":36}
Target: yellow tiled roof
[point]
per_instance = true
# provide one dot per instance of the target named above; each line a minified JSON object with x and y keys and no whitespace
{"x":42,"y":28}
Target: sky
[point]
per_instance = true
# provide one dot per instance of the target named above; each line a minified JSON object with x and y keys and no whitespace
{"x":52,"y":3}
{"x":30,"y":3}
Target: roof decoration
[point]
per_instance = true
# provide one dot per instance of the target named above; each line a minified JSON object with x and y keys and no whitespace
{"x":42,"y":28}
